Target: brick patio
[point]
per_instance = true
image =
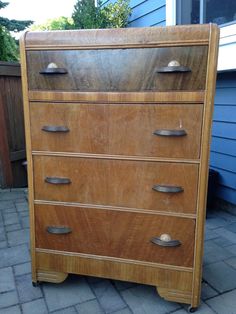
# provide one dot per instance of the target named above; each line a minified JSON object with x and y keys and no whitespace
{"x":88,"y":295}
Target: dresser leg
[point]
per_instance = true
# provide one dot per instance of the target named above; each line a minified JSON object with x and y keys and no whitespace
{"x":175,"y":295}
{"x":50,"y":276}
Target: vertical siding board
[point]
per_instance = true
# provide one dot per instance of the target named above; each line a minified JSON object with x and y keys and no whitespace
{"x":223,"y":147}
{"x":146,"y":8}
{"x":151,"y":18}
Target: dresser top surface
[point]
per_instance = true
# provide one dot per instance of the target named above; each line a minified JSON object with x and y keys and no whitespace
{"x":172,"y":35}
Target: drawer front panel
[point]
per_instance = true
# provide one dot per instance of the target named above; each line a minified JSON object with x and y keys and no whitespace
{"x":117,"y":129}
{"x":118,"y":69}
{"x":122,"y":183}
{"x":115,"y":234}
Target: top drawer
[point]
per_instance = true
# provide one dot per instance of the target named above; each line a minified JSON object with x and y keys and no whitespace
{"x":107,"y":70}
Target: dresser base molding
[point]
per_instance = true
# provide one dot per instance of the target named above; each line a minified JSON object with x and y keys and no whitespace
{"x":173,"y":284}
{"x":50,"y":276}
{"x":175,"y":295}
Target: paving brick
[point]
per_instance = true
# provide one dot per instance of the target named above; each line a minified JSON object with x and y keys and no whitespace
{"x":224,"y":304}
{"x":232,"y":227}
{"x":226,"y":216}
{"x":18,"y":237}
{"x":35,"y":307}
{"x":8,"y":210}
{"x":14,"y":227}
{"x":25,"y":222}
{"x":122,"y":285}
{"x":71,"y":292}
{"x":108,"y":296}
{"x":7,"y":282}
{"x":181,"y":311}
{"x":232,"y":249}
{"x":220,"y":276}
{"x":231,"y":262}
{"x":22,"y":269}
{"x":3,"y":244}
{"x":215,"y":253}
{"x":14,"y":255}
{"x":210,"y":234}
{"x":25,"y":289}
{"x":8,"y":299}
{"x":231,"y":236}
{"x":144,"y":300}
{"x":124,"y":311}
{"x":10,"y":218}
{"x":11,"y":310}
{"x":5,"y":204}
{"x":2,"y":234}
{"x":89,"y":307}
{"x":23,"y":206}
{"x":216,"y":222}
{"x":24,"y":214}
{"x":222,"y":241}
{"x":203,"y":309}
{"x":69,"y":310}
{"x":11,"y":195}
{"x":207,"y":291}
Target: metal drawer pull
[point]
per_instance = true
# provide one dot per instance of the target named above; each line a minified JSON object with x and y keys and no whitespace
{"x":55,"y":128}
{"x":173,"y":67}
{"x":165,"y":240}
{"x":58,"y":229}
{"x":167,"y":188}
{"x":52,"y":68}
{"x":176,"y":133}
{"x":56,"y":180}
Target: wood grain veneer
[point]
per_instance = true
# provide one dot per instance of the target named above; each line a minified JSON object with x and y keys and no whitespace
{"x":112,"y":98}
{"x":116,"y":234}
{"x":118,"y":183}
{"x":118,"y":69}
{"x":103,"y":132}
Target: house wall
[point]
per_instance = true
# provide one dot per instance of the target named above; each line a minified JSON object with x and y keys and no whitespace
{"x":146,"y":12}
{"x":223,"y":147}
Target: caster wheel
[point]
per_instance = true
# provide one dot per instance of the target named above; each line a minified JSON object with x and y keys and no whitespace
{"x":35,"y":284}
{"x":192,"y":309}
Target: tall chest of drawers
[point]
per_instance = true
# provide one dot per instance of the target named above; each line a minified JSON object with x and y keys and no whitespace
{"x":117,"y":126}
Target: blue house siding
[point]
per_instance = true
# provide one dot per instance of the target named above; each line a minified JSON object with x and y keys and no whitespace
{"x":223,"y":147}
{"x":146,"y":12}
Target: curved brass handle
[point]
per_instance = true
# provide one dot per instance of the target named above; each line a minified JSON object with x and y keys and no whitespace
{"x":52,"y":68}
{"x":165,"y":240}
{"x":58,"y":229}
{"x":170,"y":133}
{"x":173,"y":67}
{"x":167,"y":188}
{"x":56,"y":180}
{"x":55,"y":128}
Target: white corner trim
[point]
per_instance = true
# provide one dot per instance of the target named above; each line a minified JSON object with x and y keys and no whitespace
{"x":170,"y":12}
{"x":227,"y":50}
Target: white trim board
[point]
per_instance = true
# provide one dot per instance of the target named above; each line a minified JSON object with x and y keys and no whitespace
{"x":227,"y":50}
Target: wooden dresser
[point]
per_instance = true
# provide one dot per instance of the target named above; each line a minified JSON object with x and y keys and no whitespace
{"x":118,"y":126}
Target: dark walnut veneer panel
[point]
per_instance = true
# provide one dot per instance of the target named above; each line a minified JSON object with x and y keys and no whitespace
{"x":118,"y":69}
{"x":117,"y":129}
{"x":115,"y":234}
{"x":120,"y":183}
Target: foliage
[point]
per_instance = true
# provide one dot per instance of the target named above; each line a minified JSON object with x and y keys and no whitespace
{"x":8,"y":46}
{"x":59,"y":23}
{"x":87,"y":15}
{"x":12,"y":25}
{"x":117,"y":14}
